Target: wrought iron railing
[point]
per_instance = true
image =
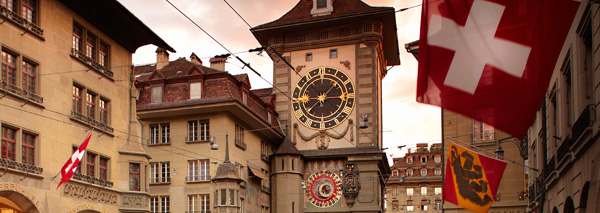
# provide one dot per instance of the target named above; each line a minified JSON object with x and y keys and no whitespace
{"x":15,"y":90}
{"x":7,"y":163}
{"x":17,"y":19}
{"x":90,"y":121}
{"x":91,"y":62}
{"x":564,"y":148}
{"x":584,"y":121}
{"x":93,"y":180}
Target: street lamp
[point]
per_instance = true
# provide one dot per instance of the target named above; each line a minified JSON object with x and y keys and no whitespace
{"x":499,"y":152}
{"x":213,"y":143}
{"x":522,"y":144}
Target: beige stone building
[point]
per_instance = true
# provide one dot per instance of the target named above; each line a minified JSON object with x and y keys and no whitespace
{"x":66,"y":70}
{"x":329,"y":60}
{"x":415,"y":184}
{"x":564,"y":138}
{"x":188,"y":111}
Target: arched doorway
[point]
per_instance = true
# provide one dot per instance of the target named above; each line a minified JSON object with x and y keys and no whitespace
{"x":569,"y":207}
{"x":14,"y":202}
{"x":584,"y":197}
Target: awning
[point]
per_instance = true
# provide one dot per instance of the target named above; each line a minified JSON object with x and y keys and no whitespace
{"x":257,"y":173}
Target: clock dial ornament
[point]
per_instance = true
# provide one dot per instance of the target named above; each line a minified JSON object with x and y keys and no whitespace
{"x":324,"y":189}
{"x":323,"y":98}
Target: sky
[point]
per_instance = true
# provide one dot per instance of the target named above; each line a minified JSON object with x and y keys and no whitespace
{"x":405,"y":122}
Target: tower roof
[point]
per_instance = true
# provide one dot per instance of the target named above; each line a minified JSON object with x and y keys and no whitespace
{"x":287,"y":148}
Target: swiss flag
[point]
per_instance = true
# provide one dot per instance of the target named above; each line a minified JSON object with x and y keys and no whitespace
{"x":491,"y":60}
{"x":71,"y":165}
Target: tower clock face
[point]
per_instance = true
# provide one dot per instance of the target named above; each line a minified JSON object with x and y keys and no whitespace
{"x":323,"y":98}
{"x":324,"y":189}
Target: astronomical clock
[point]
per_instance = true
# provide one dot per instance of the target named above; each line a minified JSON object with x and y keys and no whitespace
{"x":324,"y":189}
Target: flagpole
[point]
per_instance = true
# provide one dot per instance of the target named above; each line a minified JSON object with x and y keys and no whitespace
{"x":483,"y":150}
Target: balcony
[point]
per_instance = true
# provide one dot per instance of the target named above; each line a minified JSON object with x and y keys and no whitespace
{"x":583,"y":122}
{"x":197,"y":178}
{"x":93,"y":180}
{"x":21,"y":22}
{"x":81,"y":57}
{"x":21,"y":93}
{"x":564,"y":148}
{"x":91,"y":122}
{"x":28,"y":168}
{"x":536,"y":189}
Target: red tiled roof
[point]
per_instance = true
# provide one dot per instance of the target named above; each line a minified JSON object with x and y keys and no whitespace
{"x":301,"y":12}
{"x":175,"y":69}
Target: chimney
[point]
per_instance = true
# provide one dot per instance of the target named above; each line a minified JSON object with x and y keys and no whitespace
{"x":162,"y":58}
{"x":218,"y":62}
{"x":194,"y":58}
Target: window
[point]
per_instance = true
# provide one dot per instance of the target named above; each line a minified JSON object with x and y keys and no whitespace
{"x":9,"y":142}
{"x":29,"y":77}
{"x":395,"y":191}
{"x":245,"y":97}
{"x":410,"y":208}
{"x":395,"y":173}
{"x":91,"y":50}
{"x":265,"y":182}
{"x":103,"y":168}
{"x":90,"y":46}
{"x":333,"y":53}
{"x":29,"y":11}
{"x":424,"y":207}
{"x":231,"y":197}
{"x":395,"y":206}
{"x":423,"y":159}
{"x":423,"y":172}
{"x":160,"y":172}
{"x":409,"y":160}
{"x":160,"y":204}
{"x":90,"y":105}
{"x":28,"y":148}
{"x":437,"y":158}
{"x":198,"y":170}
{"x":409,"y":191}
{"x":482,"y":131}
{"x":423,"y":190}
{"x":264,"y":149}
{"x":199,"y":203}
{"x":438,"y":171}
{"x":91,"y":164}
{"x":321,"y":4}
{"x":409,"y":172}
{"x":192,"y":131}
{"x":309,"y":56}
{"x":156,"y":95}
{"x":103,"y":109}
{"x":94,"y":111}
{"x":134,"y":176}
{"x":195,"y":90}
{"x":438,"y":190}
{"x":160,"y":133}
{"x":223,"y":197}
{"x":9,"y":68}
{"x":239,"y":136}
{"x":438,"y":205}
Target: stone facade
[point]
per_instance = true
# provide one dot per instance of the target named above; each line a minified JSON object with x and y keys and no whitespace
{"x":563,"y":140}
{"x":65,"y":72}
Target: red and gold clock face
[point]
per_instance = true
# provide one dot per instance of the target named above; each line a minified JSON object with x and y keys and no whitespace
{"x":324,"y":189}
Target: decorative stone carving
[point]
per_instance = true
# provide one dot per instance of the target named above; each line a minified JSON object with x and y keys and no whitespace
{"x":90,"y":193}
{"x":134,"y":201}
{"x":351,"y":185}
{"x":324,"y":136}
{"x":346,"y":63}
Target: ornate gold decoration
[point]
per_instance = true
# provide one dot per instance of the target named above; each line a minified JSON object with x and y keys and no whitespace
{"x":324,"y":136}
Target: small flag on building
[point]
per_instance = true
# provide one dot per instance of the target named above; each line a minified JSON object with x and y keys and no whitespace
{"x":472,"y":179}
{"x":71,"y":165}
{"x":491,"y":60}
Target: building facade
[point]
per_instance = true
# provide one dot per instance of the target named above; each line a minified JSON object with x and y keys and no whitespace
{"x":329,"y":60}
{"x":485,"y":140}
{"x":415,"y":184}
{"x":193,"y":115}
{"x":66,"y":71}
{"x":564,"y":137}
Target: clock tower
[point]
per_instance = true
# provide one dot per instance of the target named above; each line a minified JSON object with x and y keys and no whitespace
{"x":330,"y":57}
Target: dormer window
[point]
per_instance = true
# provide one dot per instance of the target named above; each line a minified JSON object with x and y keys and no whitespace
{"x":195,"y":90}
{"x":321,"y":7}
{"x":245,"y":97}
{"x":437,"y":158}
{"x":409,"y":160}
{"x":423,"y":159}
{"x":156,"y":95}
{"x":409,"y":173}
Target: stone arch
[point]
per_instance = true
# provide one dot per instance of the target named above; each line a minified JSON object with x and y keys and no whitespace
{"x":555,"y":210}
{"x":584,"y":197}
{"x":17,"y":201}
{"x":569,"y":206}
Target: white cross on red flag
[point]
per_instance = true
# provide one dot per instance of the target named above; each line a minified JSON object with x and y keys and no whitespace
{"x":491,"y":60}
{"x":71,"y":165}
